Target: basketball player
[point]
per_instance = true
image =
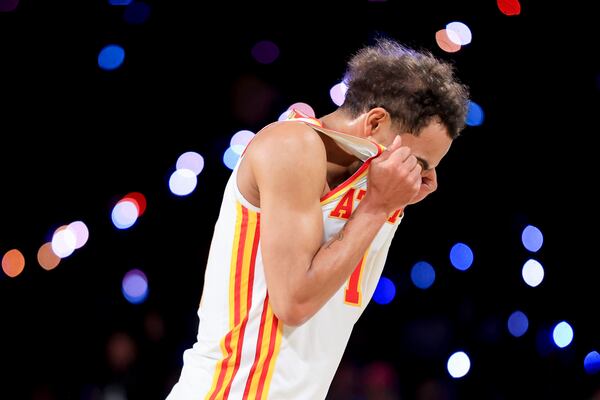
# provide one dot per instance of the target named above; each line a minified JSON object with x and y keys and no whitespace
{"x":301,"y":241}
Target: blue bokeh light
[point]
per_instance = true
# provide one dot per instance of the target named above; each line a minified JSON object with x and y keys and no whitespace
{"x":532,"y":238}
{"x":475,"y":115}
{"x":422,"y":274}
{"x":591,"y":363}
{"x":111,"y":57}
{"x":230,"y":158}
{"x":385,"y":291}
{"x":461,"y":256}
{"x":135,"y":286}
{"x":518,"y":324}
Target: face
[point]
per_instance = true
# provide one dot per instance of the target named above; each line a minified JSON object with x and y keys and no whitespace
{"x":429,"y":148}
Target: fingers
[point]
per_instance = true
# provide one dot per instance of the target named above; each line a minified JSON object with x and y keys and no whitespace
{"x":411,"y":162}
{"x":404,"y":156}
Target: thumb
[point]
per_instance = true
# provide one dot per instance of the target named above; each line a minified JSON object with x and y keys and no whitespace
{"x":390,"y":149}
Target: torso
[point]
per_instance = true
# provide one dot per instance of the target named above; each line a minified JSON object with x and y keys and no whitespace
{"x":242,"y":349}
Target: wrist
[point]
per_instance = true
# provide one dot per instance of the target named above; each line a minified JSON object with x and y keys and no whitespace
{"x":373,"y":209}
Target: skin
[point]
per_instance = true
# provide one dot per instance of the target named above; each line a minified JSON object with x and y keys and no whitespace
{"x":302,"y":274}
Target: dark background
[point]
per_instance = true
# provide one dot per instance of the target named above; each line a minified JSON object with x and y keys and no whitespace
{"x":76,"y":138}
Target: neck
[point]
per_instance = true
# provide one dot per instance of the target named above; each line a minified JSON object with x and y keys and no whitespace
{"x":341,"y":122}
{"x":340,"y":164}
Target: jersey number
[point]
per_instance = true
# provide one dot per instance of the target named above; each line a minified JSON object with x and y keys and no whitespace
{"x":353,"y":294}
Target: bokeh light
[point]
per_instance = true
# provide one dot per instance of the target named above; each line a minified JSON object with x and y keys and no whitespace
{"x":231,"y":157}
{"x":121,"y":353}
{"x":284,"y":115}
{"x":422,"y":275}
{"x":461,"y":256}
{"x":591,"y":363}
{"x":265,"y":52}
{"x":136,"y":13}
{"x":81,"y":232}
{"x":135,"y":286}
{"x":532,"y":238}
{"x":475,"y":115}
{"x":562,"y":334}
{"x":119,"y":2}
{"x":303,"y":108}
{"x":338,"y":93}
{"x":192,"y":161}
{"x":138,"y":199}
{"x":533,"y":272}
{"x":463,"y":33}
{"x":13,"y":263}
{"x":46,"y":257}
{"x":385,"y":291}
{"x":458,"y":364}
{"x":509,"y":7}
{"x":183,"y":182}
{"x":442,"y":38}
{"x":518,"y":324}
{"x":64,"y":242}
{"x":239,"y":141}
{"x":111,"y":57}
{"x":124,"y":214}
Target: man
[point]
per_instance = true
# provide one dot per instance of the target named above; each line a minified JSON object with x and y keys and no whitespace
{"x":301,"y":242}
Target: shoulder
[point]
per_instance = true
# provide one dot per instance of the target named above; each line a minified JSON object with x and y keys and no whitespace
{"x":287,"y":142}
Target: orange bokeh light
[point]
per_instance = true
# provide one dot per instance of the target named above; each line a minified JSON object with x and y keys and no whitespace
{"x":46,"y":257}
{"x":13,"y":263}
{"x":442,"y":39}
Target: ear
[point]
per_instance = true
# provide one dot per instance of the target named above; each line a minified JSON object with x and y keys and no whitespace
{"x":375,"y":118}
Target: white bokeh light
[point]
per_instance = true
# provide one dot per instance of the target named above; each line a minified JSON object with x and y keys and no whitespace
{"x":533,"y":272}
{"x":284,"y":115}
{"x":562,"y":334}
{"x":81,"y":232}
{"x":192,"y":161}
{"x":458,"y":364}
{"x":183,"y":182}
{"x":124,"y":214}
{"x":63,"y":242}
{"x":459,"y":33}
{"x":303,"y":108}
{"x":338,"y":93}
{"x":242,"y":138}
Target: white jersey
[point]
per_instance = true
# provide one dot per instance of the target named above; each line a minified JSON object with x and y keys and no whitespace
{"x":243,"y":351}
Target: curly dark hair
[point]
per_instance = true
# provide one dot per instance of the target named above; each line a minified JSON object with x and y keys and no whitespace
{"x":414,"y":87}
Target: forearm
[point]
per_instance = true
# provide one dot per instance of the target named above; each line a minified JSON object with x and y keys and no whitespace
{"x":335,"y":261}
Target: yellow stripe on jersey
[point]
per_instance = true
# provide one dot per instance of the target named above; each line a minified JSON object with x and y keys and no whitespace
{"x":267,"y":350}
{"x":271,"y":367}
{"x":243,"y":257}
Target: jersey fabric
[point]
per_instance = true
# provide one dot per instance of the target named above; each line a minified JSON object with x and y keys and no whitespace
{"x":243,"y":351}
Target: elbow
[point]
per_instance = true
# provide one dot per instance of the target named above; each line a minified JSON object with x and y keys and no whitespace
{"x":291,"y":314}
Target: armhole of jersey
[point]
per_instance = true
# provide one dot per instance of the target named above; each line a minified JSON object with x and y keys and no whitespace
{"x":238,"y":195}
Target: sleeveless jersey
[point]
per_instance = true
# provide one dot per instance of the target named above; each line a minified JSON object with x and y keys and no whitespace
{"x":243,"y":351}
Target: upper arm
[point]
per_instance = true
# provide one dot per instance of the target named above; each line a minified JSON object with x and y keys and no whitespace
{"x":289,"y":165}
